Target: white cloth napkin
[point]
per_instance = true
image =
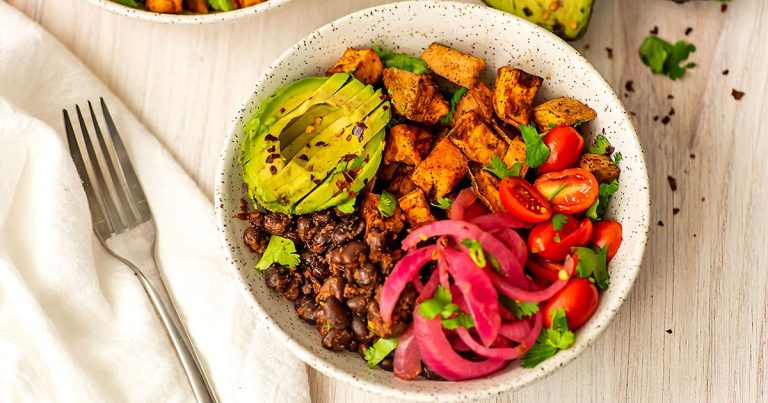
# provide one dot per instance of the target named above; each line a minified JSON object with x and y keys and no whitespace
{"x":75,"y":325}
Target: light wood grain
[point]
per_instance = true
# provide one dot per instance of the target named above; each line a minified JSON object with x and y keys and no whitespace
{"x":694,"y":328}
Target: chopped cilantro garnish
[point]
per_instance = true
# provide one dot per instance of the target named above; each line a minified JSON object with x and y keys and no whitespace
{"x":454,"y":101}
{"x":475,"y":252}
{"x":593,"y":265}
{"x":497,"y":167}
{"x":379,"y":351}
{"x":348,"y":206}
{"x":550,"y":341}
{"x":558,"y":220}
{"x":600,"y":146}
{"x":461,"y":320}
{"x":519,"y":309}
{"x":443,"y":203}
{"x":401,"y":61}
{"x":536,"y":152}
{"x":387,"y":204}
{"x":440,"y":304}
{"x":280,"y":251}
{"x":605,"y":191}
{"x":220,"y":5}
{"x":616,"y":158}
{"x":664,"y":58}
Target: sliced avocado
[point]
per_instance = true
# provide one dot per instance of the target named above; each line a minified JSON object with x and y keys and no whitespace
{"x":566,"y":18}
{"x":298,"y":137}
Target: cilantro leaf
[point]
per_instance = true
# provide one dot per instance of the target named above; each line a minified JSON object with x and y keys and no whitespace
{"x":461,"y":320}
{"x":600,"y":146}
{"x":450,"y":314}
{"x":519,"y":309}
{"x":348,"y":206}
{"x":616,"y":158}
{"x":401,"y":61}
{"x":430,"y":308}
{"x":129,"y":3}
{"x":454,"y":101}
{"x":664,"y":58}
{"x":497,"y":167}
{"x":220,"y":5}
{"x":558,"y":220}
{"x":443,"y":295}
{"x":550,"y":341}
{"x":379,"y":351}
{"x":597,"y":210}
{"x":475,"y":252}
{"x":387,"y":204}
{"x":557,"y":191}
{"x":280,"y":251}
{"x":593,"y":264}
{"x":495,"y":264}
{"x":443,"y":203}
{"x":536,"y":152}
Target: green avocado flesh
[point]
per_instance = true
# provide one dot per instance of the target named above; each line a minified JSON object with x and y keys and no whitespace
{"x":566,"y":18}
{"x":314,"y":144}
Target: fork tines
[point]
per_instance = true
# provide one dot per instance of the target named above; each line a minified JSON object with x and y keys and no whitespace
{"x":115,"y":197}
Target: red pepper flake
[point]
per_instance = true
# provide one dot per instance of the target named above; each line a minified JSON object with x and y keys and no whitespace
{"x":665,"y":120}
{"x":675,"y":211}
{"x":661,"y":223}
{"x":655,"y":30}
{"x":693,"y":156}
{"x":321,"y":144}
{"x":273,"y":170}
{"x":670,"y":96}
{"x":269,"y":159}
{"x":271,"y":149}
{"x":303,"y":157}
{"x":737,"y":95}
{"x":703,"y":199}
{"x":669,"y":331}
{"x":656,"y":118}
{"x":632,"y":113}
{"x":586,"y":46}
{"x":282,"y":110}
{"x":243,"y":206}
{"x":358,"y":130}
{"x":725,"y":72}
{"x":688,"y":31}
{"x":349,"y":157}
{"x":385,"y":107}
{"x":270,"y":137}
{"x":610,"y":52}
{"x":629,"y":86}
{"x":317,"y":181}
{"x":672,"y":182}
{"x":671,"y":112}
{"x":723,"y":8}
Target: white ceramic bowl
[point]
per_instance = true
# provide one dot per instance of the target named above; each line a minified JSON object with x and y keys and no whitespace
{"x":501,"y":39}
{"x":145,"y":15}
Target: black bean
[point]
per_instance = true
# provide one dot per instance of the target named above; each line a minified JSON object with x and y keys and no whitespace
{"x":320,"y":273}
{"x":276,"y":223}
{"x":361,"y":347}
{"x":429,"y":374}
{"x":255,"y":239}
{"x":335,"y":312}
{"x":337,"y":339}
{"x":387,"y":364}
{"x":304,"y":228}
{"x":321,"y":218}
{"x":271,"y":277}
{"x":366,"y":274}
{"x":305,"y":308}
{"x":360,"y":328}
{"x":332,"y":287}
{"x":357,"y":304}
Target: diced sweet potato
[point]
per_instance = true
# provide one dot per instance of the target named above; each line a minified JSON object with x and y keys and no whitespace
{"x":561,"y":112}
{"x":486,"y":186}
{"x":198,"y":6}
{"x":478,"y":99}
{"x":601,"y":166}
{"x":164,"y":6}
{"x":401,"y":183}
{"x":442,"y":170}
{"x":516,"y":153}
{"x":513,"y":97}
{"x":416,"y":208}
{"x":248,"y":3}
{"x":364,"y":64}
{"x":415,"y":96}
{"x":478,"y":142}
{"x":386,"y":171}
{"x":457,"y":67}
{"x":408,"y":144}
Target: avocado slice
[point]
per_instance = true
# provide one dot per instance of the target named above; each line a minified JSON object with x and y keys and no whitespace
{"x":303,"y":138}
{"x":566,"y":18}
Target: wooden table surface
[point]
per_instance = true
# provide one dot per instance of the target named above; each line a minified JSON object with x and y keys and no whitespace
{"x":695,"y":327}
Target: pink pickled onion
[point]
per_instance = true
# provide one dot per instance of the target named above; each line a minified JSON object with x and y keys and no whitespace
{"x":504,"y":353}
{"x":459,"y":231}
{"x":442,"y":269}
{"x":439,"y":356}
{"x":429,"y":287}
{"x":478,"y":293}
{"x":519,"y":294}
{"x":465,"y":198}
{"x":515,"y":243}
{"x":515,"y":331}
{"x":404,"y":271}
{"x":407,"y":358}
{"x":491,"y":222}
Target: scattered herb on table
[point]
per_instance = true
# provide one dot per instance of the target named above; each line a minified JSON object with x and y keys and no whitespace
{"x":665,"y":58}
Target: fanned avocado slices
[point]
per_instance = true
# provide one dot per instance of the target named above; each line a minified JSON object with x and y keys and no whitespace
{"x":314,"y":144}
{"x":566,"y":18}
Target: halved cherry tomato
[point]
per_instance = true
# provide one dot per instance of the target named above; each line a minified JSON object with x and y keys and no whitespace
{"x":565,"y":145}
{"x":523,"y":201}
{"x":543,"y":270}
{"x":607,"y":233}
{"x":579,"y":300}
{"x":543,"y":239}
{"x":569,"y":191}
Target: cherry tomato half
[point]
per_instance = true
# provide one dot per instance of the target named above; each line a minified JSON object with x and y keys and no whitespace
{"x":569,"y":191}
{"x":523,"y":201}
{"x":543,"y":239}
{"x":543,"y":270}
{"x":579,"y":300}
{"x":565,"y":145}
{"x":607,"y":233}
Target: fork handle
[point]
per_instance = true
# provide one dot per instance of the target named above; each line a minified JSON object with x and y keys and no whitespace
{"x":200,"y":383}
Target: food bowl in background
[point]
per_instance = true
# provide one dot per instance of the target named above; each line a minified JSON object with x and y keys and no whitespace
{"x":192,"y":19}
{"x":501,"y":39}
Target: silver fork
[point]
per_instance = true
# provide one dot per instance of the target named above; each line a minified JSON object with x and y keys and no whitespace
{"x":123,"y":223}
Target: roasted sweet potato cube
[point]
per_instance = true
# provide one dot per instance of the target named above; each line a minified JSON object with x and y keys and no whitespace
{"x":386,"y":171}
{"x":442,"y":170}
{"x":164,"y":6}
{"x":457,"y":67}
{"x":561,"y":112}
{"x":401,"y":184}
{"x":198,"y":6}
{"x":478,"y":99}
{"x":513,"y":97}
{"x":601,"y":166}
{"x":248,"y":3}
{"x":416,"y":208}
{"x":478,"y":142}
{"x":408,"y":144}
{"x":486,"y":187}
{"x":516,"y":153}
{"x":415,"y":96}
{"x":364,"y":64}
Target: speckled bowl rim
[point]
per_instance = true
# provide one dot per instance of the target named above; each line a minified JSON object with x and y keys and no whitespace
{"x":595,"y":326}
{"x":186,"y":19}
